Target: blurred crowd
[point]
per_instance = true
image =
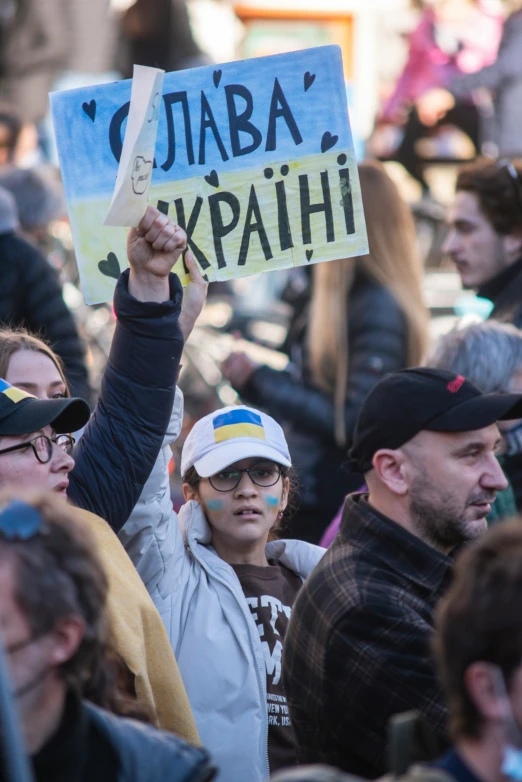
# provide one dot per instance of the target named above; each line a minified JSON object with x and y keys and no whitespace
{"x":324,"y":581}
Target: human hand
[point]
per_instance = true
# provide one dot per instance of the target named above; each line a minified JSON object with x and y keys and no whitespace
{"x":238,"y":368}
{"x":153,"y":248}
{"x":433,"y":105}
{"x":194,"y":296}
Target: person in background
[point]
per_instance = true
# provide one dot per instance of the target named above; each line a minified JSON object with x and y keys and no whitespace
{"x":452,"y":37}
{"x":485,"y":237}
{"x":224,"y":583}
{"x":53,"y":594}
{"x":158,"y":34}
{"x":490,"y":355}
{"x":502,"y":78}
{"x":365,"y":317}
{"x":357,"y":647}
{"x":30,"y":296}
{"x":478,"y":647}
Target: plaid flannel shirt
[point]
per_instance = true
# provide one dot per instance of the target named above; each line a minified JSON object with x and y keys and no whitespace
{"x":357,"y":648}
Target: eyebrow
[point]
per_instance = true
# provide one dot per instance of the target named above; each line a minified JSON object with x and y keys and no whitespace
{"x":23,"y":384}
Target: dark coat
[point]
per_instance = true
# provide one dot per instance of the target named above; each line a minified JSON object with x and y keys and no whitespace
{"x":31,"y":296}
{"x":149,"y":755}
{"x":357,"y":649}
{"x":505,"y":292}
{"x":122,"y":440}
{"x":377,"y":344}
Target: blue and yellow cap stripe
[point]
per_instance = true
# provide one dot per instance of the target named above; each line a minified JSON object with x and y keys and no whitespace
{"x":238,"y":423}
{"x":12,"y":393}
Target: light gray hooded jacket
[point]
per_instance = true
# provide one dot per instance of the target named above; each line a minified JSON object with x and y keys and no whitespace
{"x":209,"y":623}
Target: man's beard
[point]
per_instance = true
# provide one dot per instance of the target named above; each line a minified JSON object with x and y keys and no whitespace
{"x":439,"y":517}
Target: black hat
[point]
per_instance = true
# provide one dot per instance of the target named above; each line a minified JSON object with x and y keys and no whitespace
{"x":404,"y":403}
{"x":22,"y":413}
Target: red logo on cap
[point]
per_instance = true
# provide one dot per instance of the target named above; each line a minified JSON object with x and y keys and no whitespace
{"x":456,"y":384}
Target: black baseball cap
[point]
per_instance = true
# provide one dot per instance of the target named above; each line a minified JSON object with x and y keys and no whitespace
{"x":22,"y":413}
{"x":404,"y":403}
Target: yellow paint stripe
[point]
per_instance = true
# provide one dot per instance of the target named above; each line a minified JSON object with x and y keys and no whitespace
{"x":238,"y":430}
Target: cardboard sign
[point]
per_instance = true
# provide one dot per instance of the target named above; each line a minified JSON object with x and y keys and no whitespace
{"x":253,"y":159}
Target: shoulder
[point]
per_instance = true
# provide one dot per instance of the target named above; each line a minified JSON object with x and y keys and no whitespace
{"x":146,"y":753}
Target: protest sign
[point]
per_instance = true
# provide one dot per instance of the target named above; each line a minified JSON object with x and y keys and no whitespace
{"x":254,"y":159}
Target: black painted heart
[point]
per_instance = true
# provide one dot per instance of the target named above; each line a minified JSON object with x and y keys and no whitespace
{"x":309,"y":79}
{"x":212,"y":178}
{"x":309,"y":254}
{"x":217,"y":77}
{"x":90,"y":109}
{"x":110,"y":267}
{"x":328,"y":141}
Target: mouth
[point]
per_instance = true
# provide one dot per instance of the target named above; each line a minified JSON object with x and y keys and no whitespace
{"x":248,"y":512}
{"x":484,"y":506}
{"x":61,"y":488}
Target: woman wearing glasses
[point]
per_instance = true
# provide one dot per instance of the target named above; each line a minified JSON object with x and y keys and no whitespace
{"x":225,"y":585}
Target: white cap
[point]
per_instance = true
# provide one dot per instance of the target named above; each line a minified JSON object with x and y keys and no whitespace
{"x":229,"y":435}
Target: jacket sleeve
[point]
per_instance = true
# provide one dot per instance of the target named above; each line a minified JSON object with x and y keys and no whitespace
{"x":377,"y":345}
{"x":378,"y":664}
{"x":151,"y":536}
{"x":506,"y":67}
{"x":45,"y":313}
{"x":122,"y":440}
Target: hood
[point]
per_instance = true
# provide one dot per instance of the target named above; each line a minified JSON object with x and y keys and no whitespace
{"x":297,"y":555}
{"x":176,"y":419}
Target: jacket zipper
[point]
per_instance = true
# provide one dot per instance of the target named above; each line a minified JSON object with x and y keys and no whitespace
{"x":261,"y":679}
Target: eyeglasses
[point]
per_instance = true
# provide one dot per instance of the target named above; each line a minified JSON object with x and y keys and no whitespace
{"x":43,"y":446}
{"x":264,"y":474}
{"x":515,"y":179}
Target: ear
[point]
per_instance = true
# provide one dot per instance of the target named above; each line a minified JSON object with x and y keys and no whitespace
{"x":190,"y":492}
{"x":286,"y":492}
{"x":389,"y":465}
{"x":67,"y":636}
{"x":482,"y":691}
{"x":513,"y":243}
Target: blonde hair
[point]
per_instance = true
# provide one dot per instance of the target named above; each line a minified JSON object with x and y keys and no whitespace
{"x":12,"y":341}
{"x":392,"y":262}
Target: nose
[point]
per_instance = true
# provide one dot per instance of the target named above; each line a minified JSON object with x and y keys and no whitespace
{"x":494,"y":479}
{"x":450,"y":243}
{"x":61,"y":461}
{"x":246,"y":486}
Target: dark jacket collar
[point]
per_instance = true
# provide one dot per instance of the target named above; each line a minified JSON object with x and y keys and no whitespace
{"x":365,"y":528}
{"x":505,"y":288}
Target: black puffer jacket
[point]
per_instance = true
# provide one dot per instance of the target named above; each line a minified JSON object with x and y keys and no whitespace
{"x":377,"y":344}
{"x":30,"y":296}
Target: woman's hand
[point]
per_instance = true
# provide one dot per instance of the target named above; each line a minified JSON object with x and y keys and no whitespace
{"x":153,"y":248}
{"x":194,"y":296}
{"x":238,"y":368}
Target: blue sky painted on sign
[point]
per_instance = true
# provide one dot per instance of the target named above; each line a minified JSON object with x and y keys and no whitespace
{"x":83,"y":127}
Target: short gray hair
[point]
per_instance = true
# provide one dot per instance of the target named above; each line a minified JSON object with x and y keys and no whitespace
{"x":489,"y":354}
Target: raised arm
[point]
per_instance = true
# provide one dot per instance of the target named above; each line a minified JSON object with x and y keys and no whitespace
{"x":123,"y":438}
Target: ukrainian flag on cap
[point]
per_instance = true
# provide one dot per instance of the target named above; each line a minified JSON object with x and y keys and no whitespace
{"x":12,"y":393}
{"x":238,"y":423}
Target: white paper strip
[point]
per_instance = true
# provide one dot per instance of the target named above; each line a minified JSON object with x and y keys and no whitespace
{"x":129,"y":200}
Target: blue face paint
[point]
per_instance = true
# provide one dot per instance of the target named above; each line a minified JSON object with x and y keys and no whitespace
{"x":271,"y":500}
{"x":215,"y":504}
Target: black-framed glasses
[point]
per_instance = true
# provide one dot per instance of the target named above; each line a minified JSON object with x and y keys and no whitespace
{"x":263,"y":474}
{"x":43,"y":446}
{"x":514,"y":177}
